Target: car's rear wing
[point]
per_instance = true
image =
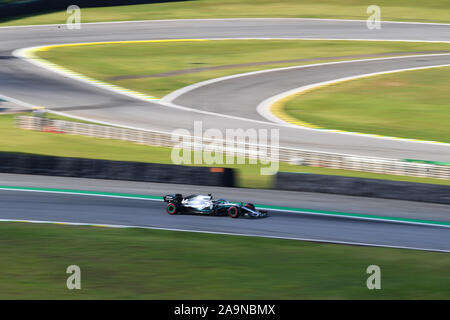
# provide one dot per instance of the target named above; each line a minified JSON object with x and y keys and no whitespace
{"x":173,"y":197}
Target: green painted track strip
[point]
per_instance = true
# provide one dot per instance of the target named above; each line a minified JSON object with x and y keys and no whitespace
{"x":83,"y":192}
{"x":440,"y":163}
{"x":278,"y":208}
{"x":354,"y":215}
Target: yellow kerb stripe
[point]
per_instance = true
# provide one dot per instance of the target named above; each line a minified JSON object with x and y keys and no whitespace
{"x":116,"y":42}
{"x":277,"y":109}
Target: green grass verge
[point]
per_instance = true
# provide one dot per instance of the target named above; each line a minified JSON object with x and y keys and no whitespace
{"x":413,"y":104}
{"x":106,"y":61}
{"x":155,"y":264}
{"x":20,"y":140}
{"x":399,"y":10}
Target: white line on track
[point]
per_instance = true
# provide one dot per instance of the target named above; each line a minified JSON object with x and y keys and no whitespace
{"x":18,"y":102}
{"x":228,"y":19}
{"x":264,"y":107}
{"x":224,"y":233}
{"x":177,"y":93}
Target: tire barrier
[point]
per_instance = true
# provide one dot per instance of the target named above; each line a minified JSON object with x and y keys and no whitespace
{"x":22,"y":163}
{"x":364,"y":187}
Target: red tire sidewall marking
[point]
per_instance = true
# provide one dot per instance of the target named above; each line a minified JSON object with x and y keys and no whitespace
{"x":233,"y":215}
{"x":169,"y":206}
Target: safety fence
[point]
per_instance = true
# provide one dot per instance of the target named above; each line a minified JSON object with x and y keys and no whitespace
{"x":240,"y":149}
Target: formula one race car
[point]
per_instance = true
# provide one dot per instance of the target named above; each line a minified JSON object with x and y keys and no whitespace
{"x":202,"y":204}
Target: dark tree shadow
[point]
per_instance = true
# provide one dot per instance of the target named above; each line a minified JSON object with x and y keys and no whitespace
{"x":19,"y":9}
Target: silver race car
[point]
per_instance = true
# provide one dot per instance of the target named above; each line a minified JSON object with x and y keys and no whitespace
{"x":205,"y":204}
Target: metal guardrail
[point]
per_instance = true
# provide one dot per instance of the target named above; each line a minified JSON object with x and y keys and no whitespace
{"x":284,"y":154}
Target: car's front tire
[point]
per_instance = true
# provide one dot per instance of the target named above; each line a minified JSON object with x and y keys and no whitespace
{"x":171,"y":208}
{"x":233,"y":212}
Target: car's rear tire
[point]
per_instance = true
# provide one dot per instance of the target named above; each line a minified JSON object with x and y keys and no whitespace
{"x":233,"y":212}
{"x":171,"y":208}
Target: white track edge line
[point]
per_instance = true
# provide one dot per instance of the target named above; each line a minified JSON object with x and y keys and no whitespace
{"x":177,"y":93}
{"x":229,"y":19}
{"x":221,"y":233}
{"x":264,"y":107}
